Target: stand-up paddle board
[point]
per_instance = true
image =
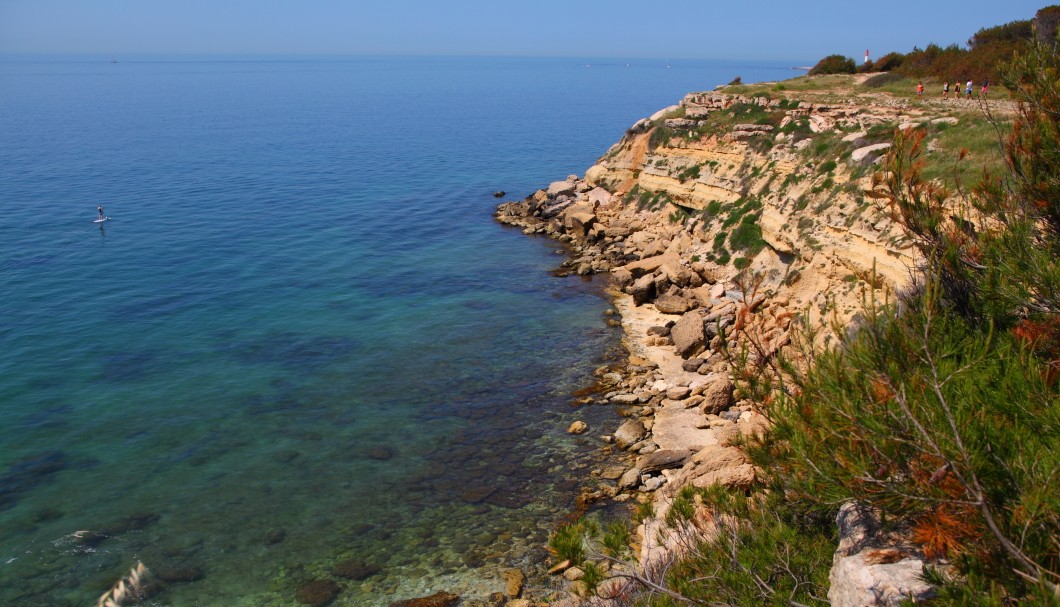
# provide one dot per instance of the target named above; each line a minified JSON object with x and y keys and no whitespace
{"x":101,"y":220}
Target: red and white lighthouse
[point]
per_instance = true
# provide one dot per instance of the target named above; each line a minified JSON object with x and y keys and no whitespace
{"x":866,"y":56}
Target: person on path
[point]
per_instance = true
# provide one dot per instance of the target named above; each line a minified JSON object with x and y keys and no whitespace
{"x":919,"y":90}
{"x":956,"y":89}
{"x":968,"y":89}
{"x":982,"y":93}
{"x":946,"y":90}
{"x":100,"y":209}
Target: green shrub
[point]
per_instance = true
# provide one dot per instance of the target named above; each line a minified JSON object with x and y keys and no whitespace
{"x":771,"y":554}
{"x":687,"y":173}
{"x":747,"y":236}
{"x":888,"y":62}
{"x":616,"y":538}
{"x":659,"y":135}
{"x":834,"y":64}
{"x":568,"y":542}
{"x":827,"y":166}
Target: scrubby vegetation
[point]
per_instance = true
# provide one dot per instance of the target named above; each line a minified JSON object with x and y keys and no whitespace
{"x":942,"y":409}
{"x":834,"y":64}
{"x":986,"y":54}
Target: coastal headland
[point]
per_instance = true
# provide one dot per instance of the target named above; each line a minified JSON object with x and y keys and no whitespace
{"x":732,"y":222}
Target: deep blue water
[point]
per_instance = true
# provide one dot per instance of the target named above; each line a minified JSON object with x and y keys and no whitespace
{"x":302,"y":338}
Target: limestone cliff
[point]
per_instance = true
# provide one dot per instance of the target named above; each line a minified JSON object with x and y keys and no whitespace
{"x":723,"y":218}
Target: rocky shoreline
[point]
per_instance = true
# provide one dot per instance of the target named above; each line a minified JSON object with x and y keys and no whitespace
{"x":722,"y":223}
{"x":660,"y":215}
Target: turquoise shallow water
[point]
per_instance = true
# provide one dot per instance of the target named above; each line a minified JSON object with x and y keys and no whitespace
{"x":302,"y":339}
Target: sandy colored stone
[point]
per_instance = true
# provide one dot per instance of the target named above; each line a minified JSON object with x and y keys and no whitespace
{"x":629,"y":432}
{"x":578,"y":427}
{"x":514,"y":579}
{"x":717,"y":397}
{"x":675,"y":429}
{"x":688,"y":334}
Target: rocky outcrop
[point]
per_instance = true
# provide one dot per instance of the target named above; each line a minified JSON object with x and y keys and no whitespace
{"x":869,"y":569}
{"x":718,"y":239}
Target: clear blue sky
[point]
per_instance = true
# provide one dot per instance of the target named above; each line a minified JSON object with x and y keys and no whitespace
{"x":730,"y":29}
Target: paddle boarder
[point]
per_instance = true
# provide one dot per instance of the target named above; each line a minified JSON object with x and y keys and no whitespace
{"x":100,"y":209}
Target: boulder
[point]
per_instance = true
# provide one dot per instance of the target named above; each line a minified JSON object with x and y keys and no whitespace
{"x":629,"y":480}
{"x":678,"y":392}
{"x":868,"y":153}
{"x":857,"y":138}
{"x":678,"y":274}
{"x":560,"y":188}
{"x":629,"y":432}
{"x":600,"y":197}
{"x":642,"y":289}
{"x":688,"y":334}
{"x":578,"y":427}
{"x":621,"y":277}
{"x":672,"y":304}
{"x":717,"y":397}
{"x":579,"y":223}
{"x":647,"y":265}
{"x":717,"y":465}
{"x":514,"y":579}
{"x":858,"y":579}
{"x":663,"y":460}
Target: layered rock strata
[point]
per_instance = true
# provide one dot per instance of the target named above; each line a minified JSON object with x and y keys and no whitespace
{"x":718,"y":233}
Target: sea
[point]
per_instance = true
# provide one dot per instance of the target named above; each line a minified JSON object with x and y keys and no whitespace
{"x":301,"y":348}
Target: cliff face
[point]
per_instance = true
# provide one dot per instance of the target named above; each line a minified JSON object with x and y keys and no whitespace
{"x":721,"y":221}
{"x":795,"y":170}
{"x":731,"y":187}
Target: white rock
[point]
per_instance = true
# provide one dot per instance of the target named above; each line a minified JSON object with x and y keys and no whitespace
{"x":663,"y":112}
{"x":858,"y":579}
{"x":868,"y":153}
{"x":557,"y":188}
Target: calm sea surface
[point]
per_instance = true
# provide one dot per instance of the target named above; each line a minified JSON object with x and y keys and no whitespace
{"x":301,"y":342}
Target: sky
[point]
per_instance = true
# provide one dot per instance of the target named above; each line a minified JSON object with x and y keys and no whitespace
{"x":675,"y":29}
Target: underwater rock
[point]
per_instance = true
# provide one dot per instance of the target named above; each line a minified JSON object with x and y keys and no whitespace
{"x":379,"y":452}
{"x":317,"y":593}
{"x":133,"y":522}
{"x":90,"y":539}
{"x":438,"y":599}
{"x":355,"y":569}
{"x":275,"y":536}
{"x":45,"y":515}
{"x":514,"y":579}
{"x":178,"y":574}
{"x":499,"y":194}
{"x":27,"y":473}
